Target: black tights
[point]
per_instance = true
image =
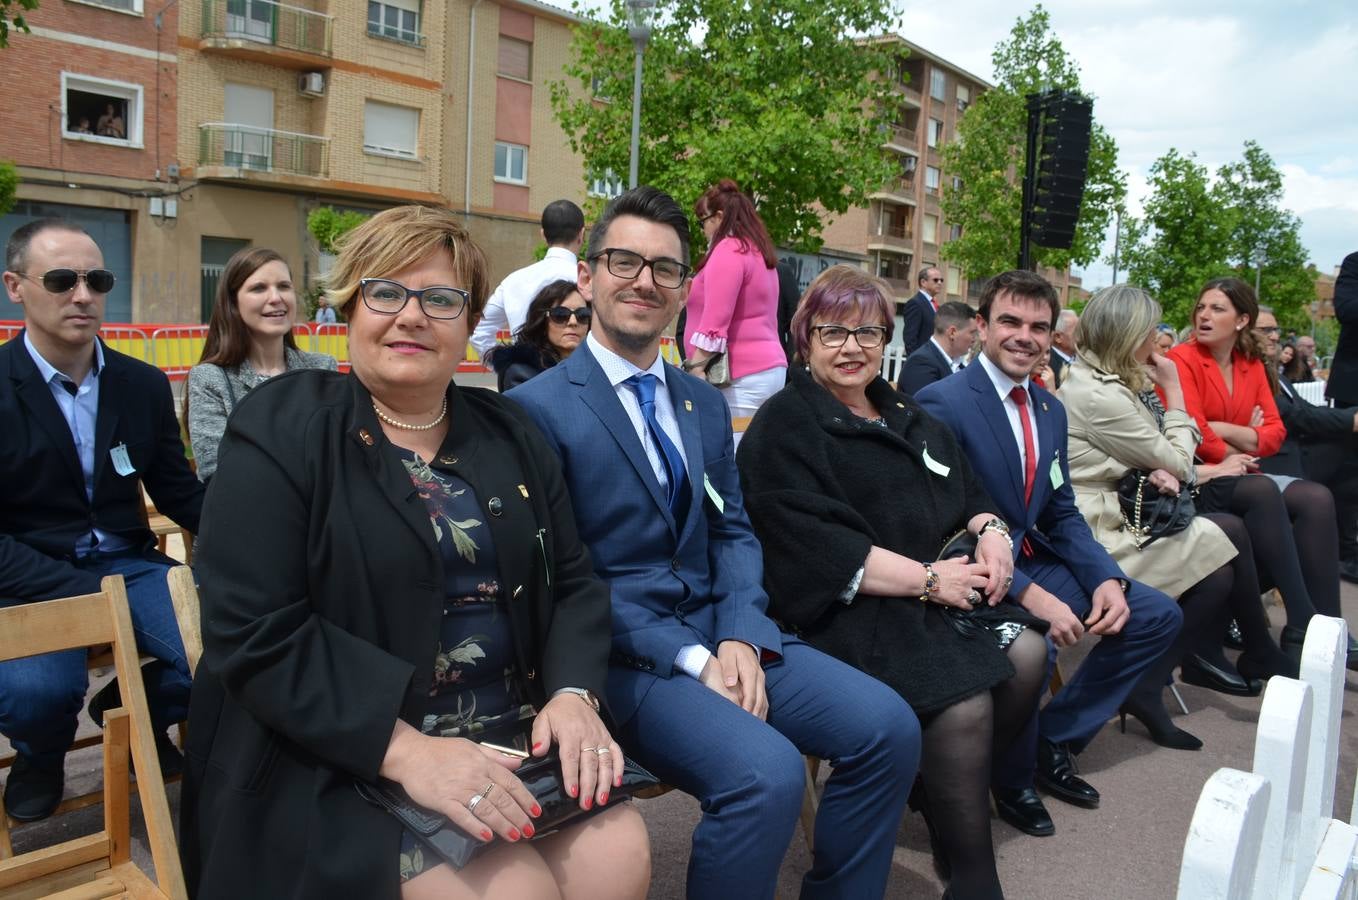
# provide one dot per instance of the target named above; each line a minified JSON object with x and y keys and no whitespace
{"x":1310,"y":507}
{"x":959,"y":743}
{"x":1256,"y":500}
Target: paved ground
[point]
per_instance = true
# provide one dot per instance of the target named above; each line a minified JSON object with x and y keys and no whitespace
{"x":1130,"y":848}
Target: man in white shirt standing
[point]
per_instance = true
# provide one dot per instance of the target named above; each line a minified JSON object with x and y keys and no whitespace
{"x":1063,"y":345}
{"x":563,"y":228}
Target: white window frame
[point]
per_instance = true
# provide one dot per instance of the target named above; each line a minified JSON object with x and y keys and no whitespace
{"x":403,"y":36}
{"x":390,"y":149}
{"x":132,"y":94}
{"x":932,"y":176}
{"x":935,"y":136}
{"x":136,"y":10}
{"x":938,"y":84}
{"x":954,"y":282}
{"x":607,"y":185}
{"x":963,"y":97}
{"x":507,"y":176}
{"x":925,"y":230}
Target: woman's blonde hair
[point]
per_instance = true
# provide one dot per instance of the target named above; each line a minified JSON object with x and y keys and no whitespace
{"x":1116,"y":321}
{"x":398,"y":238}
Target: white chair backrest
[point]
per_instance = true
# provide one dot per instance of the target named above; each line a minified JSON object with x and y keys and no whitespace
{"x":893,"y":360}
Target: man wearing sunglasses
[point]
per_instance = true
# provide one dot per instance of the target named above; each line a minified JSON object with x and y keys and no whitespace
{"x":918,"y":313}
{"x":705,"y":689}
{"x":563,"y":228}
{"x":84,"y":428}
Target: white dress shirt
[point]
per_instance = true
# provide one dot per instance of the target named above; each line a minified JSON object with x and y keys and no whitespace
{"x":955,"y":363}
{"x":508,"y":305}
{"x":1003,"y":385}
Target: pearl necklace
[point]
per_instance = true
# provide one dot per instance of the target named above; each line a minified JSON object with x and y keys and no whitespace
{"x":443,"y":414}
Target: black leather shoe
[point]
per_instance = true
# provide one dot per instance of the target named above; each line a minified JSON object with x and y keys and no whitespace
{"x":1348,"y":570}
{"x":1056,"y":774}
{"x":1294,"y":638}
{"x":33,"y":791}
{"x":1198,"y":671}
{"x":1234,"y":639}
{"x":1022,"y":808}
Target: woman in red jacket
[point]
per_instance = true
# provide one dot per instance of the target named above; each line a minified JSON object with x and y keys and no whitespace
{"x":1228,"y":387}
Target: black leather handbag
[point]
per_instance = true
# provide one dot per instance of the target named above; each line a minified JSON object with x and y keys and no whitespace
{"x":1149,"y":514}
{"x":542,"y":777}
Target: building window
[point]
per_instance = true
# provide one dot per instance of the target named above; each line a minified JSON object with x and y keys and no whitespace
{"x":608,"y":185}
{"x":935,"y":132}
{"x":954,"y":231}
{"x":391,"y":130}
{"x":931,"y":176}
{"x":511,"y":163}
{"x":516,"y":58}
{"x":127,"y":6}
{"x":954,"y":281}
{"x":938,"y":82}
{"x":963,"y":98}
{"x":930,"y":229}
{"x":956,"y":184}
{"x":100,"y":110}
{"x":398,"y":20}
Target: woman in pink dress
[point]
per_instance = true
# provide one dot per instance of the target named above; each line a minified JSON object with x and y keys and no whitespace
{"x":733,"y":302}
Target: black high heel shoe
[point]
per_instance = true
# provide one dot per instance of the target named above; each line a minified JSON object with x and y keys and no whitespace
{"x":1293,"y":638}
{"x":1162,"y":731}
{"x":1196,"y":670}
{"x":1234,"y":639}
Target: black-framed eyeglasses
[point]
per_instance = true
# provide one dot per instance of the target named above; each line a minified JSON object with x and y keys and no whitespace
{"x":666,"y":272}
{"x":937,"y":280}
{"x":388,"y":298}
{"x":869,"y":337}
{"x":562,"y":314}
{"x":702,"y":219}
{"x":59,"y":281}
{"x":1269,"y":329}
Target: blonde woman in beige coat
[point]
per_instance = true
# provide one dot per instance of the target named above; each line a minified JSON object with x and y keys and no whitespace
{"x":1119,"y":423}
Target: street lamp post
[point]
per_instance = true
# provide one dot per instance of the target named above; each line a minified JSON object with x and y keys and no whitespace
{"x":639,"y":13}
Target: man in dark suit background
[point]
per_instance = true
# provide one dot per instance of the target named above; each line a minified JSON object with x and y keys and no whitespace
{"x":945,"y":352}
{"x":704,"y":689}
{"x":1015,"y":435}
{"x":1343,"y":390}
{"x":84,"y":427}
{"x":918,"y":313}
{"x":1063,"y":346}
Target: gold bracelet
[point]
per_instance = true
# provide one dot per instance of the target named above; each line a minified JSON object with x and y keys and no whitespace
{"x":930,"y":583}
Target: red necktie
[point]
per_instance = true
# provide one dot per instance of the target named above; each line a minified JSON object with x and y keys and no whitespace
{"x":1020,"y":396}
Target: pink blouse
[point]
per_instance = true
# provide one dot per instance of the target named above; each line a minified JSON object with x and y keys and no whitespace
{"x":733,"y":306}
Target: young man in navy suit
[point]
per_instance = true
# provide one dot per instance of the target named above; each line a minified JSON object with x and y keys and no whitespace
{"x":84,"y":427}
{"x":945,"y":352}
{"x":704,"y":689}
{"x":1014,"y":433}
{"x":917,"y":316}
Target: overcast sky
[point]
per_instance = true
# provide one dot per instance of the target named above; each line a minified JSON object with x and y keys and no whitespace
{"x":1202,"y":76}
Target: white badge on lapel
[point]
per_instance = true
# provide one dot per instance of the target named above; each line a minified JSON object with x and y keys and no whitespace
{"x":712,"y":495}
{"x":122,"y":463}
{"x":934,"y":465}
{"x":1058,"y":479}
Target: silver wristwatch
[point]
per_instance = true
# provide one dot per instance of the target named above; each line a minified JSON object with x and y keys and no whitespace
{"x":584,"y":694}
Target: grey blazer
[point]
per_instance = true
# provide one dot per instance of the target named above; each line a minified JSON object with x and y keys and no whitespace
{"x":214,"y":391}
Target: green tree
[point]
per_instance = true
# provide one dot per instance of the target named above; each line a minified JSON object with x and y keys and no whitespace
{"x":989,"y":155}
{"x":12,"y":16}
{"x":1184,"y":238}
{"x":328,"y":224}
{"x":9,"y":186}
{"x":772,"y":95}
{"x":1266,"y":246}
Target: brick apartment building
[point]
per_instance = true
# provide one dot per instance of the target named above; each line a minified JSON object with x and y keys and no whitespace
{"x":267,"y":110}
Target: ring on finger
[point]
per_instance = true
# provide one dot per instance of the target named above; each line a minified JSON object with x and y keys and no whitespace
{"x":589,"y":749}
{"x":602,"y":750}
{"x":1008,"y":580}
{"x":485,"y":795}
{"x":974,"y":597}
{"x":471,"y":804}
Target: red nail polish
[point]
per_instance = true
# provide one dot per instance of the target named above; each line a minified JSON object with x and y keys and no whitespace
{"x":536,"y":810}
{"x":603,"y":799}
{"x":486,"y":835}
{"x":617,"y":782}
{"x":588,"y":803}
{"x":528,"y":831}
{"x":514,"y":834}
{"x":574,"y":790}
{"x":537,"y":746}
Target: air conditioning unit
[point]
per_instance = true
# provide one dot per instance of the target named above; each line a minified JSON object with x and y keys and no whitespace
{"x":311,"y":84}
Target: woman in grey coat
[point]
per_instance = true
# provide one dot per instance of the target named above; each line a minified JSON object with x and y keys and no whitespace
{"x":249,"y":340}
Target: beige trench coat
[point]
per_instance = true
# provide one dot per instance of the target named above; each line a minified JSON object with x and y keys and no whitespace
{"x":1112,"y":431}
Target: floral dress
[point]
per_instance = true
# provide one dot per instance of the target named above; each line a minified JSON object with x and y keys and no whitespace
{"x":474,"y":691}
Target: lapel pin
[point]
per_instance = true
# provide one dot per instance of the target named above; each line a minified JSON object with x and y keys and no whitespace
{"x":365,"y":437}
{"x":524,"y":491}
{"x":900,"y":406}
{"x":1044,"y":405}
{"x":688,"y":406}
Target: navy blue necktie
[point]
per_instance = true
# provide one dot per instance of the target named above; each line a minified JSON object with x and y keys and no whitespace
{"x":643,"y":385}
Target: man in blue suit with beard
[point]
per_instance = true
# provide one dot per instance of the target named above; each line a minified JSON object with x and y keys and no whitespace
{"x":1014,"y":433}
{"x":704,"y":689}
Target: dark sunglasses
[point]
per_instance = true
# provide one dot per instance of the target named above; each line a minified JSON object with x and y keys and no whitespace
{"x":59,"y":281}
{"x":562,"y":314}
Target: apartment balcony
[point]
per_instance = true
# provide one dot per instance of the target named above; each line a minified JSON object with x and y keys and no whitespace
{"x":901,"y":287}
{"x":891,"y":237}
{"x":907,"y":94}
{"x":903,"y":140}
{"x":897,"y":190}
{"x":262,"y":155}
{"x":268,"y":32}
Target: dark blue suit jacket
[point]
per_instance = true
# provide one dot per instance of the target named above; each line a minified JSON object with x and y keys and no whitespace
{"x":918,"y":321}
{"x":701,"y":583}
{"x":922,"y":368}
{"x":43,"y":506}
{"x":968,"y":403}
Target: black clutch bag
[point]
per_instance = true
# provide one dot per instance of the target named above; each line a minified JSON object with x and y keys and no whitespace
{"x":1149,"y":514}
{"x":542,"y":777}
{"x":971,"y":623}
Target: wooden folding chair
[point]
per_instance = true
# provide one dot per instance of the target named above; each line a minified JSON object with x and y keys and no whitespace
{"x":98,"y":865}
{"x":184,"y":596}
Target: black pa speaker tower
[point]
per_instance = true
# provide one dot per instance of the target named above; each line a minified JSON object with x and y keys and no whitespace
{"x":1062,"y":151}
